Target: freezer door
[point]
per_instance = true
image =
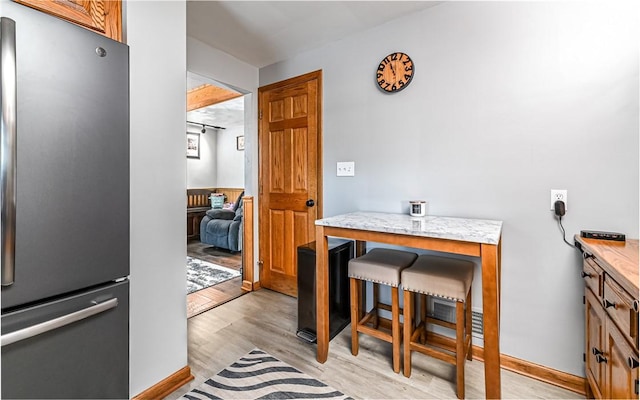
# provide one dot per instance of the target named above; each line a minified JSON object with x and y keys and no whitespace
{"x":72,"y":164}
{"x":83,"y":355}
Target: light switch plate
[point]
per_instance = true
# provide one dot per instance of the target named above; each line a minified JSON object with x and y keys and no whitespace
{"x":346,"y":168}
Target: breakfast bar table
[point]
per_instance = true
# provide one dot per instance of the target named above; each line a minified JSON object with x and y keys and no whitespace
{"x":471,"y":237}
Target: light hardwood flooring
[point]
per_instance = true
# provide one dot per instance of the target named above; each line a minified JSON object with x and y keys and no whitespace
{"x":268,"y":320}
{"x":213,"y":296}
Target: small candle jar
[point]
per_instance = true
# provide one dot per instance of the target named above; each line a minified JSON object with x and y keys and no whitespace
{"x":418,"y":208}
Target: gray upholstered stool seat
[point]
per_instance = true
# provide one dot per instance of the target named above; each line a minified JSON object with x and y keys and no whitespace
{"x":380,"y":266}
{"x":442,"y":277}
{"x":439,"y":276}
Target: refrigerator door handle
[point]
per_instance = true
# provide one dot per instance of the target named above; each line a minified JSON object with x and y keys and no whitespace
{"x":56,"y":323}
{"x":8,"y":148}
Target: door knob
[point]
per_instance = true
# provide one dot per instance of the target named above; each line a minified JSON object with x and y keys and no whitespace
{"x":310,"y":203}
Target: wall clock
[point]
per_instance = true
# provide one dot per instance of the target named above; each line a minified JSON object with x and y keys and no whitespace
{"x":395,"y":72}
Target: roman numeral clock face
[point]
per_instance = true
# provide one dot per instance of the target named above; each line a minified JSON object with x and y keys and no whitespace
{"x":395,"y":72}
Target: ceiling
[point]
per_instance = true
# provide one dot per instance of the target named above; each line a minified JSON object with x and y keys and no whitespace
{"x":228,"y":114}
{"x":261,"y":33}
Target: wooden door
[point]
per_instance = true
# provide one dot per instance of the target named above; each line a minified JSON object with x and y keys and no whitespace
{"x":289,"y":154}
{"x":102,"y":16}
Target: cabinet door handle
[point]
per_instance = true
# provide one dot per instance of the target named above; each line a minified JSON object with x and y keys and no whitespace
{"x":596,"y":352}
{"x":606,"y":304}
{"x":585,"y":275}
{"x":632,"y":362}
{"x":586,"y":255}
{"x":600,"y":359}
{"x":635,"y":305}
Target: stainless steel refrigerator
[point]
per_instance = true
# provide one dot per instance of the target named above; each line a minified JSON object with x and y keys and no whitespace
{"x":65,"y":209}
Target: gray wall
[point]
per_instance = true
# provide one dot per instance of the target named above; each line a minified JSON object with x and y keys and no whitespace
{"x":156,"y":34}
{"x":220,"y":163}
{"x":202,"y":172}
{"x":230,"y":172}
{"x":509,"y":100}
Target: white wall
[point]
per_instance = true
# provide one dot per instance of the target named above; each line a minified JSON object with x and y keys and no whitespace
{"x":156,"y":34}
{"x":509,"y":100}
{"x":202,"y":172}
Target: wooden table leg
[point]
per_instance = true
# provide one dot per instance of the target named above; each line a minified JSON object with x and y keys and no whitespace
{"x":491,"y":310}
{"x":322,"y":295}
{"x":360,"y":250}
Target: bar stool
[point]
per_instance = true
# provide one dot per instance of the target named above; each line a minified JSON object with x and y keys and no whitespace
{"x":441,"y":277}
{"x":380,"y":266}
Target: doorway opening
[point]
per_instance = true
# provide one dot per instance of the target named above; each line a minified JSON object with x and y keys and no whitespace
{"x":215,"y":187}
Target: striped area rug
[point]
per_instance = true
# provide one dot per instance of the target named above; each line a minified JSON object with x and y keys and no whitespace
{"x":258,"y":375}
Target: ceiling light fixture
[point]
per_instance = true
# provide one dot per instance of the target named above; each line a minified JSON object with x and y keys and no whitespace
{"x":204,"y":126}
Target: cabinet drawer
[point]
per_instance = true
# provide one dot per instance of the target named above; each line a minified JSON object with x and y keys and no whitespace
{"x":619,"y":305}
{"x":592,"y":274}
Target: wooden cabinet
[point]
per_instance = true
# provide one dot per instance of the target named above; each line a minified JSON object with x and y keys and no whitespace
{"x":621,"y":365}
{"x":595,"y":324}
{"x":194,"y":217}
{"x":610,"y":270}
{"x":102,"y":16}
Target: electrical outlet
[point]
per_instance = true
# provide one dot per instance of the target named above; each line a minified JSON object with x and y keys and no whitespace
{"x":559,"y":195}
{"x":346,"y":168}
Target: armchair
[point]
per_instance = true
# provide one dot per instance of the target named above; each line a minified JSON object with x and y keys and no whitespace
{"x":223,"y":227}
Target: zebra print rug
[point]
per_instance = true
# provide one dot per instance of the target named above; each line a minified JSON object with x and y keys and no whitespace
{"x":258,"y":375}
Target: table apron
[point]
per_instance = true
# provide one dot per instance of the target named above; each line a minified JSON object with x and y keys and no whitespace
{"x":419,"y":242}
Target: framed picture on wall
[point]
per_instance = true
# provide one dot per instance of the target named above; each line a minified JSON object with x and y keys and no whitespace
{"x":240,"y":142}
{"x":193,"y":145}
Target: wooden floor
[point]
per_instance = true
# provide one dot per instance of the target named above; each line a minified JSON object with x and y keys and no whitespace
{"x":267,"y":320}
{"x":211,"y":297}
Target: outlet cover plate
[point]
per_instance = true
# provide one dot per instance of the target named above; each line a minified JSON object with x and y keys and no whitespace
{"x":559,"y":194}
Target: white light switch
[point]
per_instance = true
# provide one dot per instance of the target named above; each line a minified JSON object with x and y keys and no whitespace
{"x":346,"y":168}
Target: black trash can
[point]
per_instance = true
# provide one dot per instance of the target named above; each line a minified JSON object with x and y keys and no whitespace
{"x":340,"y":252}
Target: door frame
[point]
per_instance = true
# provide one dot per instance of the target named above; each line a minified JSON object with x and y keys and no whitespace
{"x":317,"y":75}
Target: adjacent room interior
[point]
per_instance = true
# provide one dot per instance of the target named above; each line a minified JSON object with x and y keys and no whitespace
{"x":215,"y":186}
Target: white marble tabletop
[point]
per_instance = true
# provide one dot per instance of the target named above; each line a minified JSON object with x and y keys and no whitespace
{"x":464,"y":229}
